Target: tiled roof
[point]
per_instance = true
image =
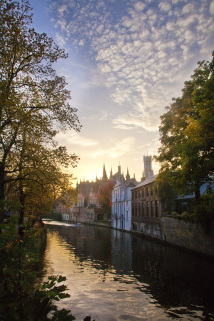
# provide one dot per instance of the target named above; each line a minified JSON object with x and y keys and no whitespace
{"x":147,"y":181}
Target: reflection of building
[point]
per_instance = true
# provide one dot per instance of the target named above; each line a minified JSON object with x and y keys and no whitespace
{"x":121,"y":251}
{"x":121,"y":203}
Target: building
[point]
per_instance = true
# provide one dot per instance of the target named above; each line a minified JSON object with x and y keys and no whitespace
{"x":146,"y":207}
{"x":121,"y":203}
{"x":87,"y":208}
{"x":148,"y":171}
{"x":145,"y":203}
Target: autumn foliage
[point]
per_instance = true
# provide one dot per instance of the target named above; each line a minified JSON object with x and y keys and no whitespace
{"x":104,"y":196}
{"x":34,"y":104}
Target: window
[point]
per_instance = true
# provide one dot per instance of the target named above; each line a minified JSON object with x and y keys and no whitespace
{"x":136,"y":212}
{"x":133,"y":212}
{"x":152,"y":209}
{"x":142,"y":209}
{"x":147,"y":209}
{"x":147,"y":192}
{"x":142,"y":193}
{"x":156,"y":208}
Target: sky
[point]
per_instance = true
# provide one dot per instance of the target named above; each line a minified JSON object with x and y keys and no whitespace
{"x":126,"y":60}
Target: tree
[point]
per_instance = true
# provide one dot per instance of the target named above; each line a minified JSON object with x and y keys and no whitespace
{"x":32,"y":96}
{"x":66,"y":198}
{"x":187,"y":134}
{"x":40,"y":179}
{"x":165,"y":192}
{"x":104,"y":196}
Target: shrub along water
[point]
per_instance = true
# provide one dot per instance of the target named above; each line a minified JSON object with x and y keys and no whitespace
{"x":20,"y":298}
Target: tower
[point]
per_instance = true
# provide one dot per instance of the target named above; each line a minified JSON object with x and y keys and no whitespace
{"x":148,"y":171}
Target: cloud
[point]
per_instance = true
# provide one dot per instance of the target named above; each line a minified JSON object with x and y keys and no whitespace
{"x":99,"y":116}
{"x":140,"y":51}
{"x":139,"y":6}
{"x":164,"y":6}
{"x":61,"y":9}
{"x":119,"y":148}
{"x":212,"y":7}
{"x":74,"y":138}
{"x":60,"y":39}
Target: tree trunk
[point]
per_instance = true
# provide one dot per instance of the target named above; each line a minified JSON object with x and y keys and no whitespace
{"x":21,"y":209}
{"x":197,"y":193}
{"x":22,"y":203}
{"x":2,"y":191}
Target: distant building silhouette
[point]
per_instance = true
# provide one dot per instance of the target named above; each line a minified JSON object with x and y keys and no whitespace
{"x":148,"y":171}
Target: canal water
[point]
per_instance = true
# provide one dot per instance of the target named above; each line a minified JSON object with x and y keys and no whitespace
{"x":116,"y":276}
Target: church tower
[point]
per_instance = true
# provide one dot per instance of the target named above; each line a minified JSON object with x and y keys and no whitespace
{"x":148,"y":171}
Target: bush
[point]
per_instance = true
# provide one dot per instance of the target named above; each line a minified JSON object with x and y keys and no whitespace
{"x":204,"y":211}
{"x":19,"y":298}
{"x":175,"y":214}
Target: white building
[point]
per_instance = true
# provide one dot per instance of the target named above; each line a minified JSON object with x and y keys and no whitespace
{"x":121,"y":204}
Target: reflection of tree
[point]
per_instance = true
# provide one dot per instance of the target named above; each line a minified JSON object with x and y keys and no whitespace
{"x":179,"y":282}
{"x":89,"y":243}
{"x":173,"y":278}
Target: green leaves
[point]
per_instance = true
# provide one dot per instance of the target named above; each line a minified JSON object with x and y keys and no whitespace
{"x":34,"y":102}
{"x":187,"y":133}
{"x":20,"y":297}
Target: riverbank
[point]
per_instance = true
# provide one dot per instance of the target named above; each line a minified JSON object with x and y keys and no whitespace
{"x":113,"y":275}
{"x":40,"y":232}
{"x":181,"y":234}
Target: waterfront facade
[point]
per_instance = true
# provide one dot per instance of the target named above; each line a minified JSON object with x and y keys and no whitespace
{"x":87,"y":208}
{"x":121,"y":205}
{"x":146,"y":206}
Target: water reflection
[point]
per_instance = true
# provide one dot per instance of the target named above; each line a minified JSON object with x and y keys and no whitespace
{"x":118,"y":276}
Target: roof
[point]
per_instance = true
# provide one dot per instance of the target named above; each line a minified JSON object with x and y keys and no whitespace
{"x":147,"y":181}
{"x":128,"y":183}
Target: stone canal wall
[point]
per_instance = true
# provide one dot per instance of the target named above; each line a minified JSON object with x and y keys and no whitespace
{"x":188,"y":235}
{"x":179,"y":233}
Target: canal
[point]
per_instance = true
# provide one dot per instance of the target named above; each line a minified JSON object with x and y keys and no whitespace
{"x":115,"y":276}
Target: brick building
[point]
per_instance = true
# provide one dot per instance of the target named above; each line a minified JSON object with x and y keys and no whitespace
{"x":146,"y":207}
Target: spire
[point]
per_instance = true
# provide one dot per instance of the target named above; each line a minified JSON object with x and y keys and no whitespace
{"x":127,"y":175}
{"x":104,"y":173}
{"x":111,"y":173}
{"x":119,"y":169}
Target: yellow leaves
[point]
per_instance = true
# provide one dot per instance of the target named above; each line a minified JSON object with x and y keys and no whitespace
{"x":193,"y":131}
